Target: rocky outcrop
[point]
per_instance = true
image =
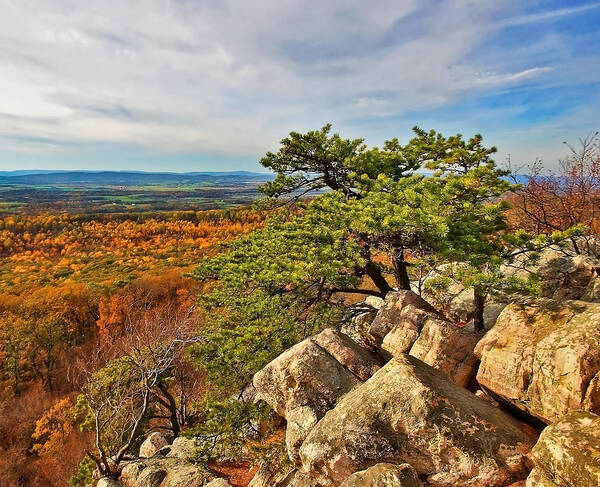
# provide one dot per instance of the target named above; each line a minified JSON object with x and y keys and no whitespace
{"x":412,"y":326}
{"x":406,"y":326}
{"x":152,"y":444}
{"x":384,"y":475}
{"x":545,"y":358}
{"x":398,"y":306}
{"x":356,"y":359}
{"x":314,"y":373}
{"x":567,"y":453}
{"x":303,"y":383}
{"x":567,"y":277}
{"x":408,"y":412}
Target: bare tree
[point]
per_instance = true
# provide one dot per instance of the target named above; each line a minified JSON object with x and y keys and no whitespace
{"x":550,"y":201}
{"x":133,"y":386}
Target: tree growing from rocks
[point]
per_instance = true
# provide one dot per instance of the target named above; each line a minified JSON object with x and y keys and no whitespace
{"x":370,"y":219}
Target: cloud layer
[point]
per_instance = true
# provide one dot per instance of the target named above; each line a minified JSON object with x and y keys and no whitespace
{"x":231,"y":77}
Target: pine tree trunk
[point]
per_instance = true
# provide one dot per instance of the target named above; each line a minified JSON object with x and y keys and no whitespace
{"x":374,"y":272}
{"x":479,"y":302}
{"x":400,"y":269}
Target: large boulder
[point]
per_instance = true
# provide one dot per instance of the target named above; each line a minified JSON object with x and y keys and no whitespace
{"x":152,"y":444}
{"x":391,"y":310}
{"x":362,"y":363}
{"x":409,"y":412}
{"x":314,"y":373}
{"x":449,"y":348}
{"x":414,"y":328}
{"x":567,"y":453}
{"x":384,"y":475}
{"x":183,"y":447}
{"x":405,"y":328}
{"x":544,"y":358}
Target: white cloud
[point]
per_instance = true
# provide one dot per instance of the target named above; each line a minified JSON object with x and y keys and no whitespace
{"x":233,"y":76}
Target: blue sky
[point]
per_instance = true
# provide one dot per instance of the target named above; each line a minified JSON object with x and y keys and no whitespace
{"x":189,"y":85}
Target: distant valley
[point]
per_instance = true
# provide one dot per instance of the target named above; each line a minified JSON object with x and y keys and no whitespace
{"x":132,"y":191}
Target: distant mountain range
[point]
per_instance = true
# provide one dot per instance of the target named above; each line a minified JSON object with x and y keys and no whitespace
{"x":128,"y":178}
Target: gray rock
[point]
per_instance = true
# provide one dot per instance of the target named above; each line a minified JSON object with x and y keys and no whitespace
{"x":408,"y":412}
{"x":384,"y":475}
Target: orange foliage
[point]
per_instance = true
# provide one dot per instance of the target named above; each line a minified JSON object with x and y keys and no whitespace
{"x":53,"y":428}
{"x":142,"y":295}
{"x":55,"y":248}
{"x":550,"y":201}
{"x":69,"y":283}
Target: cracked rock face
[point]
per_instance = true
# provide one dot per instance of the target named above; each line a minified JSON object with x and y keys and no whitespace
{"x":314,"y":373}
{"x":448,"y":348}
{"x":409,"y":412}
{"x":544,"y":359}
{"x":303,"y":383}
{"x":568,"y":453}
{"x":391,"y":310}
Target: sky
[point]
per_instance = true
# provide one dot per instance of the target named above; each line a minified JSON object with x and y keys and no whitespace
{"x":192,"y":85}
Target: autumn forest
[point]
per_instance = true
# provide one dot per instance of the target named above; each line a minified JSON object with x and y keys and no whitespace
{"x":70,"y":286}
